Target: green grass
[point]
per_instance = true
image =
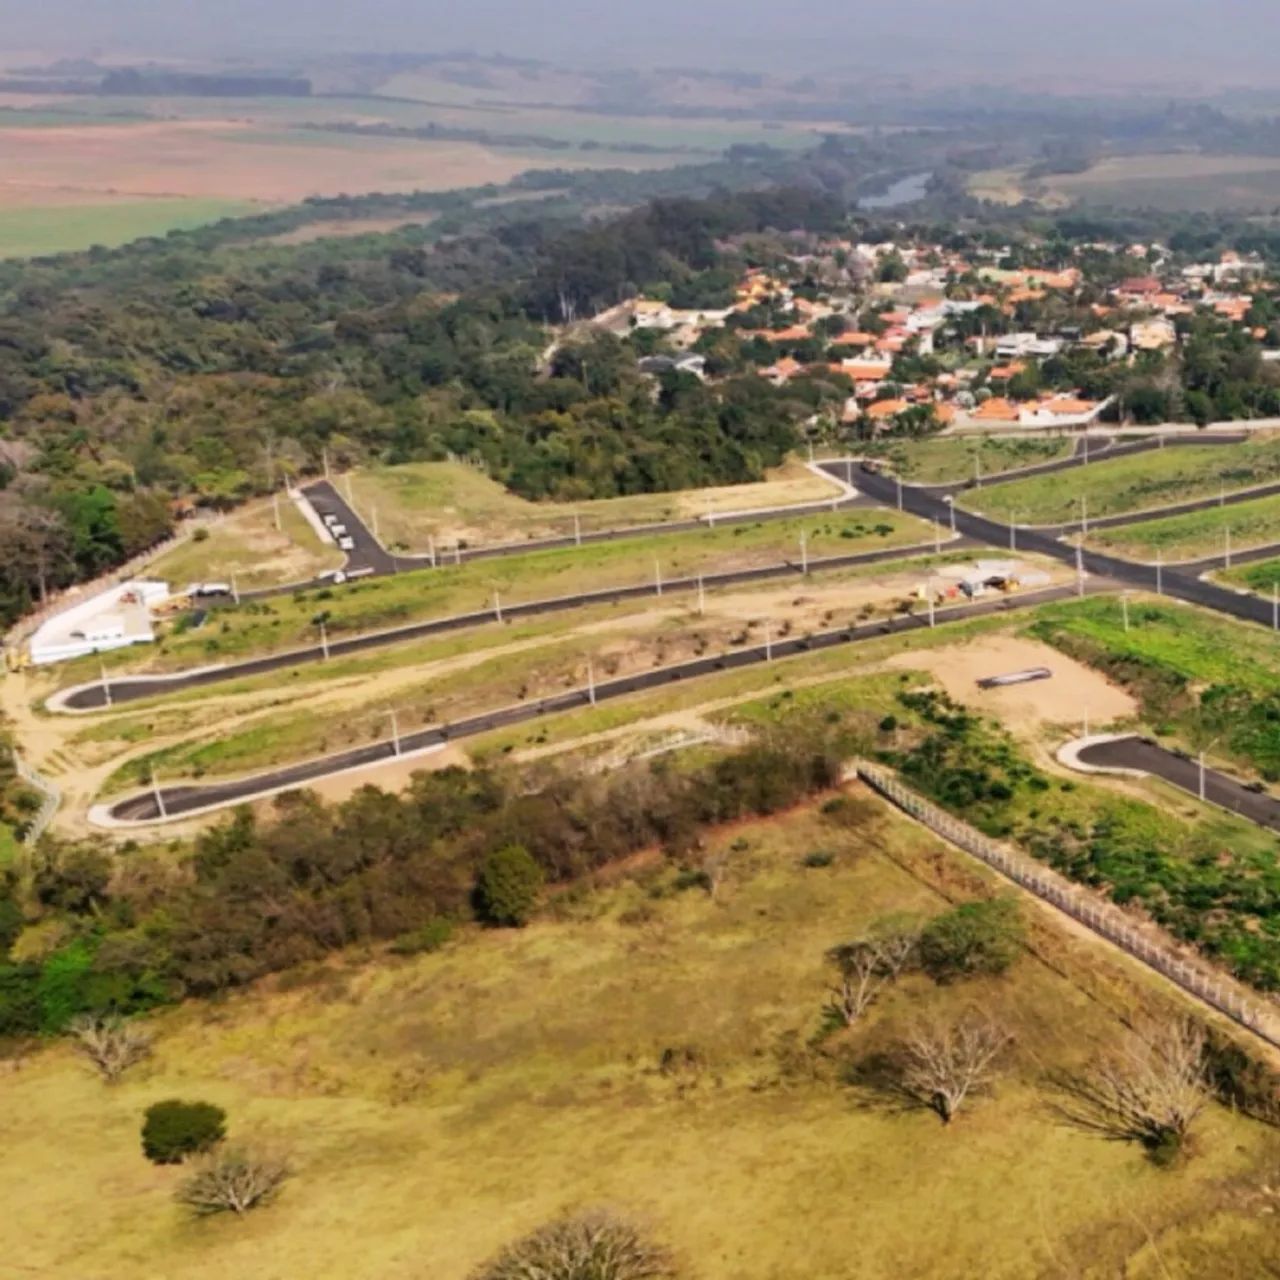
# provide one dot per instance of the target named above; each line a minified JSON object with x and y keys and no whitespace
{"x":1135,"y":483}
{"x":373,"y":604}
{"x":33,"y":232}
{"x":450,"y":501}
{"x":950,"y":459}
{"x":439,"y":1106}
{"x":1262,"y":577}
{"x":1196,"y":535}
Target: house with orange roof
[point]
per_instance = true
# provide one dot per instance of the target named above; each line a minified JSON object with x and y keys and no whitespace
{"x":853,"y":338}
{"x":1004,"y":372}
{"x":867,"y":370}
{"x":782,"y":371}
{"x":882,"y":410}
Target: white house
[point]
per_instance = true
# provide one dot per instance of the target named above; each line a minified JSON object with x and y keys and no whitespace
{"x":112,"y":619}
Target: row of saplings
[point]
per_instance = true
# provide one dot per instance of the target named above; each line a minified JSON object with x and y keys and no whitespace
{"x":1150,"y":1091}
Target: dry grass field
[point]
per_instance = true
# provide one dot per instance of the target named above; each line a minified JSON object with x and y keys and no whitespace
{"x":435,"y":1108}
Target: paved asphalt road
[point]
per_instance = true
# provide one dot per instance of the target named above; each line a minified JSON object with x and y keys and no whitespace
{"x":1220,"y":788}
{"x":1177,"y":583}
{"x":128,"y":689}
{"x":187,"y":799}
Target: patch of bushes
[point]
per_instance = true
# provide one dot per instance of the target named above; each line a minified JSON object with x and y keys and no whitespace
{"x":174,"y":1130}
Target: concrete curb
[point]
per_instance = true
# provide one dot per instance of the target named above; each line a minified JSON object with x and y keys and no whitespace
{"x":1069,"y":755}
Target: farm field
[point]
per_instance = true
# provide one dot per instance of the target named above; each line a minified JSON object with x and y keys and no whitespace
{"x":109,"y":182}
{"x":247,"y":544}
{"x":1135,"y":483}
{"x":452,"y":502}
{"x":951,"y":459}
{"x":1171,"y":181}
{"x":1197,"y":534}
{"x":395,"y":1087}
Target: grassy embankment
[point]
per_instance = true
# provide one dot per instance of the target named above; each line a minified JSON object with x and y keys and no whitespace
{"x":951,"y":459}
{"x":291,"y":621}
{"x":397,"y":1089}
{"x":1196,"y":535}
{"x":1199,"y":677}
{"x":1137,"y":482}
{"x":449,"y":501}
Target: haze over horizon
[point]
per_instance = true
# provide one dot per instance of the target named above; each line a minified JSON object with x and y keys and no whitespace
{"x":1142,"y":41}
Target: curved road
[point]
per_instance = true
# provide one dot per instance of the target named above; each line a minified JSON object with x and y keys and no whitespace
{"x":1170,"y":581}
{"x":128,"y":689}
{"x":180,"y":801}
{"x":1147,"y":756}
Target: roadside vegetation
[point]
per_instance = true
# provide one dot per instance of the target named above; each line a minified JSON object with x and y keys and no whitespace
{"x":1157,"y":478}
{"x":954,"y":459}
{"x":1197,"y":534}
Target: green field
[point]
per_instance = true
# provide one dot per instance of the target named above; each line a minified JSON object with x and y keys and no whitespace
{"x":32,"y":232}
{"x":1196,"y":535}
{"x":1135,"y":483}
{"x":439,"y":1106}
{"x":950,"y":459}
{"x":1263,"y":576}
{"x":448,"y":502}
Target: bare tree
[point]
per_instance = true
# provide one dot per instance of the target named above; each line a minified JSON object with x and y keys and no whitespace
{"x":110,"y":1043}
{"x":1150,"y":1090}
{"x":595,"y":1243}
{"x":234,"y":1180}
{"x":942,"y":1065}
{"x":867,"y":965}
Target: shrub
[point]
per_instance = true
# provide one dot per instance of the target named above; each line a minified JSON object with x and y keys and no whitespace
{"x":110,"y":1044}
{"x":233,"y":1181}
{"x":174,"y":1130}
{"x":593,"y":1245}
{"x":431,"y":937}
{"x":507,"y":887}
{"x":974,"y":938}
{"x":818,"y":858}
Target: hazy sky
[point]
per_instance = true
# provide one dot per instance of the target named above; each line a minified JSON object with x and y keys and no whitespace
{"x":1164,"y":37}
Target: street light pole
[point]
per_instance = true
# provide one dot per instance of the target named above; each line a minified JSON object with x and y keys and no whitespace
{"x":1080,"y":571}
{"x":768,"y":641}
{"x":804,"y":553}
{"x":591,"y":682}
{"x":324,"y":642}
{"x":929,"y":592}
{"x":657,"y":575}
{"x":1124,"y":609}
{"x":898,"y":480}
{"x":158,"y":794}
{"x":1159,"y":572}
{"x":395,"y":732}
{"x":1013,"y":531}
{"x":577,"y":530}
{"x":497,"y":606}
{"x":106,"y":684}
{"x":702,"y":598}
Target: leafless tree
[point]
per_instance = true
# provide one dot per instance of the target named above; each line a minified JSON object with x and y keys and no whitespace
{"x":595,"y":1243}
{"x":110,"y":1043}
{"x":867,"y":965}
{"x":233,"y":1180}
{"x":1150,"y":1090}
{"x":942,"y":1065}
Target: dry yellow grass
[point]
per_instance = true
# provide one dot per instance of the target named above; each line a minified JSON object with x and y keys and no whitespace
{"x":438,"y":1107}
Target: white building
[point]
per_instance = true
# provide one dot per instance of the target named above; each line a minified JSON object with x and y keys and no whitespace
{"x":112,"y":619}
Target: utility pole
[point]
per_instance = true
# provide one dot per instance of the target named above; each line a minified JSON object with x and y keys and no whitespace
{"x":1124,"y":609}
{"x":457,"y":553}
{"x":1080,"y":571}
{"x":431,"y":548}
{"x":1202,"y":774}
{"x":929,"y":592}
{"x":497,"y":606}
{"x":898,"y":480}
{"x":577,"y":530}
{"x":711,"y":515}
{"x":591,"y":682}
{"x":702,"y":598}
{"x":395,"y":731}
{"x":977,"y":471}
{"x":235,"y":591}
{"x":804,"y":553}
{"x":158,"y":794}
{"x":324,"y":642}
{"x":106,"y":684}
{"x":951,"y":508}
{"x":1013,"y":531}
{"x":848,"y":471}
{"x":1159,"y":572}
{"x":657,"y":575}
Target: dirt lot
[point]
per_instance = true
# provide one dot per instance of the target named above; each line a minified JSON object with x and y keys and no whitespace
{"x":1073,"y":692}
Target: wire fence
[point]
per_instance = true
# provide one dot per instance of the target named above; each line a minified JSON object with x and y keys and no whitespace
{"x":52,"y":799}
{"x":1108,"y":921}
